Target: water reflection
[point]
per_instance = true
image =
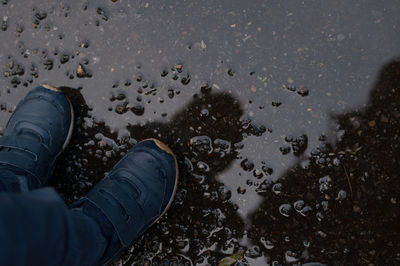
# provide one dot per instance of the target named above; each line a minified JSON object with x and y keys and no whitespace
{"x":345,"y":201}
{"x":203,"y":223}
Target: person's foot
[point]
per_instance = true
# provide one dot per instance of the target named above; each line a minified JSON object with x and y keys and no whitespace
{"x":134,"y":195}
{"x":35,"y":135}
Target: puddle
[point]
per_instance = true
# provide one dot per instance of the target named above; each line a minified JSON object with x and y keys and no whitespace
{"x":284,"y":117}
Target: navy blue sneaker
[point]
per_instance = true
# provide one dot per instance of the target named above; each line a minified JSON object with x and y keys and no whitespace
{"x":37,"y":132}
{"x":134,"y":195}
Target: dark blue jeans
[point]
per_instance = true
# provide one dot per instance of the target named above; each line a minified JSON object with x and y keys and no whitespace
{"x":37,"y":228}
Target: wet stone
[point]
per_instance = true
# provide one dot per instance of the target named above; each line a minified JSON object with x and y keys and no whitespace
{"x":171,"y":93}
{"x":121,"y":108}
{"x":247,"y":165}
{"x":204,"y":113}
{"x":82,"y":72}
{"x":48,"y":64}
{"x":40,"y":15}
{"x":267,"y":170}
{"x":185,"y":80}
{"x":20,"y":71}
{"x":179,"y":68}
{"x":137,"y":109}
{"x":11,"y":64}
{"x":127,"y":83}
{"x":276,"y":103}
{"x":102,"y":14}
{"x":257,"y":173}
{"x":291,"y":88}
{"x":84,"y":44}
{"x":303,"y":91}
{"x":164,"y":73}
{"x":241,"y":190}
{"x":120,"y":96}
{"x":285,"y":209}
{"x":285,"y":149}
{"x":298,"y":205}
{"x":64,"y":58}
{"x":4,"y":24}
{"x":277,"y":188}
{"x":299,"y":145}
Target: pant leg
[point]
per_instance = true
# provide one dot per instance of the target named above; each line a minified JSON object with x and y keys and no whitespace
{"x":36,"y":228}
{"x":13,"y":179}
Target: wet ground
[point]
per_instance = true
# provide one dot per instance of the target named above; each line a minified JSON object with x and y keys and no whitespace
{"x":285,"y":117}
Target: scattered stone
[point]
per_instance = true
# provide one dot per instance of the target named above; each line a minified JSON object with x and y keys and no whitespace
{"x":247,"y":165}
{"x":299,"y":145}
{"x":64,"y":58}
{"x":164,"y":73}
{"x":11,"y":64}
{"x":84,"y":44}
{"x":204,"y":88}
{"x":267,"y":170}
{"x":137,"y":109}
{"x":372,"y":123}
{"x":384,"y":119}
{"x":20,"y":28}
{"x":40,"y":15}
{"x":276,"y":103}
{"x":179,"y":68}
{"x":257,"y":173}
{"x":4,"y":24}
{"x":102,"y":14}
{"x":121,"y":108}
{"x":303,"y":91}
{"x":185,"y":80}
{"x":171,"y":93}
{"x":356,"y":209}
{"x":81,"y":72}
{"x":48,"y":64}
{"x":285,"y":149}
{"x":241,"y":190}
{"x":20,"y":70}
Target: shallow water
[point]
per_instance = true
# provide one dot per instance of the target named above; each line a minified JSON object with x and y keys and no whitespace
{"x":283,"y":119}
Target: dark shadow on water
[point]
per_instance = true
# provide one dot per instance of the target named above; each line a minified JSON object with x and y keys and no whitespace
{"x":339,"y":206}
{"x":342,"y":205}
{"x":203,"y":135}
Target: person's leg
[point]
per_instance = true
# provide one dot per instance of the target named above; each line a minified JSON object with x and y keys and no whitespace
{"x":36,"y":228}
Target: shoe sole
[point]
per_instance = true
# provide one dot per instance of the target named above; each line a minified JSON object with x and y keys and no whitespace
{"x":71,"y":126}
{"x":165,"y":148}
